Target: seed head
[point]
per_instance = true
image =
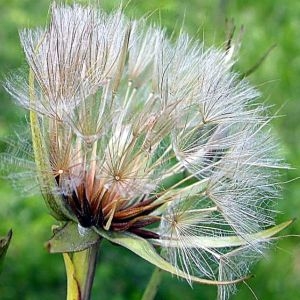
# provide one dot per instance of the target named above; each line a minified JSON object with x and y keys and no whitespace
{"x":135,"y":134}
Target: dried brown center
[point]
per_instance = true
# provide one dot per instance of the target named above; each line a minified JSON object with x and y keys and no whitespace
{"x":102,"y":207}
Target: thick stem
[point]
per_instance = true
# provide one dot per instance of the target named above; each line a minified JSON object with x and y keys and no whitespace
{"x":153,"y":285}
{"x":80,"y":269}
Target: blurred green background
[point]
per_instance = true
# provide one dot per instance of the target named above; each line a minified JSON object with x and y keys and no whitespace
{"x":31,"y":273}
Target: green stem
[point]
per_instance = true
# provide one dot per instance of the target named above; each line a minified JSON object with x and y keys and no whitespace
{"x":80,"y":269}
{"x":153,"y":285}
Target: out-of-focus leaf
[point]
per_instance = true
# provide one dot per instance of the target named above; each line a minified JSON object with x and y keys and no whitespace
{"x":68,"y":238}
{"x":4,"y":243}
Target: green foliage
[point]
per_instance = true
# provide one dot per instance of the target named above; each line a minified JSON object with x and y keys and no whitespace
{"x":4,"y":244}
{"x":30,"y":270}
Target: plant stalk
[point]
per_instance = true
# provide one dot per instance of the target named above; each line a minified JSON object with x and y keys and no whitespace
{"x":153,"y":285}
{"x":80,"y":269}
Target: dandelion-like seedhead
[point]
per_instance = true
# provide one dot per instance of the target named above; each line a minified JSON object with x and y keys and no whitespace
{"x":135,"y":134}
